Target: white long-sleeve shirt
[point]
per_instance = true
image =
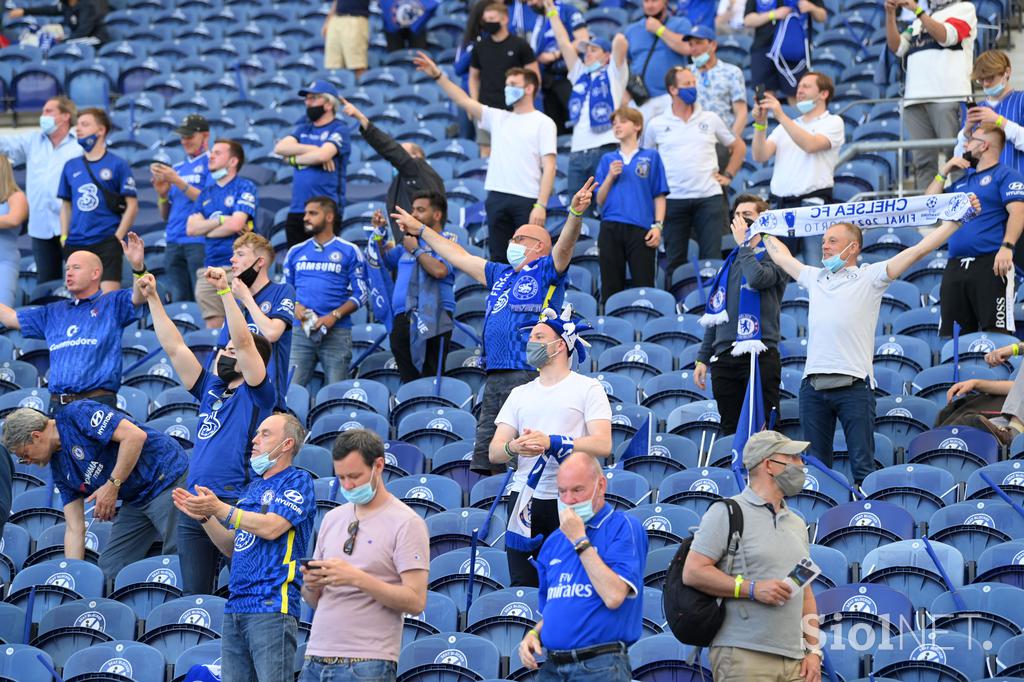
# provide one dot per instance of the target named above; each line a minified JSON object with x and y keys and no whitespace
{"x":44,"y":164}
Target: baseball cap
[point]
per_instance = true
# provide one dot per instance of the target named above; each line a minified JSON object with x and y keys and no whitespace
{"x":764,"y":444}
{"x":319,"y":87}
{"x":192,"y":124}
{"x":700,"y":31}
{"x":602,"y":43}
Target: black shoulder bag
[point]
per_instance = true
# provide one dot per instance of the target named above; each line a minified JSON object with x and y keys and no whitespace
{"x":115,"y":202}
{"x":635,"y":85}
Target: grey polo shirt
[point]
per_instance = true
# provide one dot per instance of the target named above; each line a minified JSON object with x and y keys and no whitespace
{"x":772,"y":544}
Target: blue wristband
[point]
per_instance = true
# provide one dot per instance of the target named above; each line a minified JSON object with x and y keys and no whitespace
{"x":752,"y":583}
{"x":561,"y":447}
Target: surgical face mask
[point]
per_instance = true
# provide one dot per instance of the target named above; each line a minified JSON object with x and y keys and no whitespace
{"x":87,"y":143}
{"x":701,"y":59}
{"x":804,"y":106}
{"x":688,"y":95}
{"x":48,"y":124}
{"x":491,"y":27}
{"x":219,"y":173}
{"x":791,"y":479}
{"x":995,"y":90}
{"x":516,"y":254}
{"x":584,"y":510}
{"x":261,"y":462}
{"x":249,"y":275}
{"x":513,"y":94}
{"x":835,"y":263}
{"x":537,"y":354}
{"x":972,"y":158}
{"x":314,"y":113}
{"x":361,"y":494}
{"x":226,"y":369}
{"x":593,"y":66}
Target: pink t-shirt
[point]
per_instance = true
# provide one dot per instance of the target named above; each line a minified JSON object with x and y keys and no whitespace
{"x":348,"y":622}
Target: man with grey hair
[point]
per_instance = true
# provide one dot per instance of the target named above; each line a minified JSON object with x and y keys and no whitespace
{"x":264,"y":534}
{"x":98,"y":454}
{"x":319,"y":151}
{"x":770,"y":632}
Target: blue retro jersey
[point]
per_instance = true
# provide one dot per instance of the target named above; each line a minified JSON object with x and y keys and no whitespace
{"x":87,"y":455}
{"x":276,"y":301}
{"x":631,"y":199}
{"x":311,"y":181}
{"x":92,"y":220}
{"x":516,"y":300}
{"x":265,"y":574}
{"x":196,"y":172}
{"x":227,"y":422}
{"x":324,"y":277}
{"x":216,"y":200}
{"x":84,"y":339}
{"x":995,"y":187}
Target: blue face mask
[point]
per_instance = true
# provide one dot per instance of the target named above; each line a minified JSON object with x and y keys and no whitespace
{"x":361,"y":494}
{"x":87,"y":143}
{"x":261,"y":462}
{"x":219,"y":173}
{"x":593,"y":66}
{"x":48,"y":124}
{"x":701,"y":59}
{"x":995,"y":90}
{"x":835,"y":263}
{"x":804,"y":106}
{"x":516,"y":254}
{"x":513,"y":94}
{"x":688,"y":95}
{"x":584,"y":510}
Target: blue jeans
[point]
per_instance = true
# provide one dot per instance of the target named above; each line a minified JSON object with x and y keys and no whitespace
{"x":198,"y":557}
{"x":180,"y":264}
{"x":855,"y":408}
{"x":611,"y":667}
{"x":333,"y":350}
{"x":136,"y":527}
{"x":363,"y":671}
{"x":582,"y":165}
{"x":258,"y":647}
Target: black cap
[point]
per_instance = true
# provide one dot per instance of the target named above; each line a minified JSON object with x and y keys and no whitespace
{"x":192,"y":124}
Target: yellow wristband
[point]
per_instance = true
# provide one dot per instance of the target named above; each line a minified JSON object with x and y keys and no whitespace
{"x":760,"y":126}
{"x":578,"y":214}
{"x":1000,"y":121}
{"x":919,"y":11}
{"x":224,"y":292}
{"x":1016,"y":349}
{"x":238,"y":519}
{"x":739,"y":586}
{"x":940,"y":177}
{"x":533,"y":631}
{"x":661,"y":31}
{"x":160,"y":201}
{"x":552,"y":14}
{"x":771,"y":16}
{"x":140,"y":275}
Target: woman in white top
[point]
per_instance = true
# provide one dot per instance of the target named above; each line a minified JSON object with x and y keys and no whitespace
{"x":13,"y":212}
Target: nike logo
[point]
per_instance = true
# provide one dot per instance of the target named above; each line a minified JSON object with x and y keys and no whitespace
{"x":554,"y":562}
{"x":76,"y":174}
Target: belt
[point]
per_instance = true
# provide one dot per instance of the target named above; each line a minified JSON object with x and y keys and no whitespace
{"x":336,"y":660}
{"x":68,"y":398}
{"x":578,"y":655}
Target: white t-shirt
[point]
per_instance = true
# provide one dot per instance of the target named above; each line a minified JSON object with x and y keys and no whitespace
{"x":583,"y":137}
{"x":797,"y":172}
{"x":687,"y":149}
{"x":563,"y":409}
{"x":939,"y":70}
{"x":842,"y":318}
{"x":518,"y":144}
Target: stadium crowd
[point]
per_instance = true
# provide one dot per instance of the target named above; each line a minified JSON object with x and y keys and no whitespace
{"x":614,"y":176}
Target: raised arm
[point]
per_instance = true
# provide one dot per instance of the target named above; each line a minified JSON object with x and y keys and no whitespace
{"x":898,"y":264}
{"x":181,"y":356}
{"x":454,"y":92}
{"x":561,"y":252}
{"x":250,"y":364}
{"x":474,"y":266}
{"x":782,"y":257}
{"x":565,"y":45}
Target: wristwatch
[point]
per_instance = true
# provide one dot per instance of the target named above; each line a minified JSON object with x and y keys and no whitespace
{"x":817,"y":652}
{"x":116,"y":482}
{"x":335,"y":315}
{"x":1009,"y":245}
{"x":656,"y":225}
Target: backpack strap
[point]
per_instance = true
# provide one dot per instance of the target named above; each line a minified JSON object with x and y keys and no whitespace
{"x":735,"y":529}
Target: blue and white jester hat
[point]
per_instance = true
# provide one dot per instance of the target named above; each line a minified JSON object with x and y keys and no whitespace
{"x":568,"y":329}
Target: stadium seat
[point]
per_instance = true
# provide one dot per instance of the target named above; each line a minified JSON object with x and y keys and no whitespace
{"x":1009,"y":476}
{"x":450,"y":573}
{"x":699,"y":421}
{"x":627,"y":420}
{"x":1002,"y":564}
{"x":440,"y":615}
{"x":120,"y":660}
{"x":483,"y":492}
{"x":183,"y":429}
{"x":453,"y":461}
{"x":667,"y":454}
{"x":50,"y":543}
{"x":14,"y":548}
{"x":1010,"y":657}
{"x":427,"y":393}
{"x":638,"y":361}
{"x":880,"y":609}
{"x":80,"y":624}
{"x":902,"y":417}
{"x":665,"y":524}
{"x":663,"y":657}
{"x":146,"y":584}
{"x":316,"y":460}
{"x":426,"y":493}
{"x":904,"y":354}
{"x":697,"y":489}
{"x":907,"y":567}
{"x":448,"y":656}
{"x":656,"y":567}
{"x":453,"y":529}
{"x":960,"y":450}
{"x":821,"y":492}
{"x":857,"y":528}
{"x":174,"y":402}
{"x":673,"y":332}
{"x":988,"y":612}
{"x":504,"y":617}
{"x":919,"y":488}
{"x":835,"y":568}
{"x":430,"y":429}
{"x":619,"y":387}
{"x":53,"y":583}
{"x":974,"y":526}
{"x":665,"y":392}
{"x":625,"y":489}
{"x":362,"y":394}
{"x":22,"y":663}
{"x":933,"y":655}
{"x":174,"y":627}
{"x":37,"y":509}
{"x":326,"y":428}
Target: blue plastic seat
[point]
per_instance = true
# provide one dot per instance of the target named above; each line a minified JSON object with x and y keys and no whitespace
{"x":938,"y":656}
{"x":363,"y":394}
{"x":440,"y":615}
{"x":36,"y":398}
{"x":933,"y":383}
{"x":664,"y":393}
{"x":961,"y":450}
{"x":974,"y":526}
{"x":504,"y":617}
{"x":13,"y":550}
{"x":638,"y":361}
{"x":921,"y":323}
{"x":1002,"y":564}
{"x":626,"y":489}
{"x":697,"y":489}
{"x":627,"y":419}
{"x":484,"y":491}
{"x":80,"y":624}
{"x":325,"y":429}
{"x":54,"y":583}
{"x":619,"y":387}
{"x":639,"y":305}
{"x":430,"y":429}
{"x":174,"y":402}
{"x":901,"y":418}
{"x":663,"y":657}
{"x":450,"y":573}
{"x":988,"y":612}
{"x":907,"y":567}
{"x":821,"y":492}
{"x":176,"y":626}
{"x":147,"y":583}
{"x":885,"y":453}
{"x":857,"y":528}
{"x":1009,"y":476}
{"x":448,"y":656}
{"x":665,"y":524}
{"x":182,"y":429}
{"x":121,"y":660}
{"x":427,"y":392}
{"x":880,"y":609}
{"x":427,"y":494}
{"x":37,"y":509}
{"x":667,"y":454}
{"x":904,"y":354}
{"x":453,"y":529}
{"x":21,"y":663}
{"x":919,"y":488}
{"x":674,"y":332}
{"x":699,"y":421}
{"x":34,"y":84}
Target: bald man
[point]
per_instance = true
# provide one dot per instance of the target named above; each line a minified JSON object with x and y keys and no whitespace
{"x":533,"y":280}
{"x":591,"y":583}
{"x":83,"y":333}
{"x":414,"y":172}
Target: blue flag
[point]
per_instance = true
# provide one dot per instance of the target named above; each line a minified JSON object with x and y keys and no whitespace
{"x":410,"y":14}
{"x":640,"y":443}
{"x":380,"y":285}
{"x":751,"y":420}
{"x":956,"y":352}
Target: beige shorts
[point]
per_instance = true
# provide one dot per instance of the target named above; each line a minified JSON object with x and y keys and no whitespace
{"x":347,"y":42}
{"x":732,"y":664}
{"x":209,"y":302}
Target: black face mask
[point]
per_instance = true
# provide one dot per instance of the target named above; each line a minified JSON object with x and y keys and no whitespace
{"x":749,"y":221}
{"x":249,"y":275}
{"x":970,"y":158}
{"x":539,"y":9}
{"x":491,"y":27}
{"x":226,"y":371}
{"x":314,"y":113}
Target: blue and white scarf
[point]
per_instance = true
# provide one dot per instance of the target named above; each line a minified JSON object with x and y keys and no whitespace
{"x":597,"y":86}
{"x":748,"y":326}
{"x":518,"y":533}
{"x":426,"y":313}
{"x":921,"y":211}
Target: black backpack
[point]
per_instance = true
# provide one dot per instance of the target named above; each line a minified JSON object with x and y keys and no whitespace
{"x":693,"y":616}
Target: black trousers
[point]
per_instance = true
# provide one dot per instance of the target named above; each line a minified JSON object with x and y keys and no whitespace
{"x":703,"y":219}
{"x":623,"y":244}
{"x":404,"y":38}
{"x":729,"y":377}
{"x":294,"y":230}
{"x":557,"y":92}
{"x":401,"y":349}
{"x":505,"y":214}
{"x":543,"y":521}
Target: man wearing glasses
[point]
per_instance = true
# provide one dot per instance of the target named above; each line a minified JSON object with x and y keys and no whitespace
{"x":264,"y":534}
{"x":369,"y":568}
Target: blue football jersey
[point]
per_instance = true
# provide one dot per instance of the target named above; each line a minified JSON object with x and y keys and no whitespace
{"x":312,"y":181}
{"x":516,"y":300}
{"x":216,"y":200}
{"x":92,"y":219}
{"x":327,"y":276}
{"x":196,"y":172}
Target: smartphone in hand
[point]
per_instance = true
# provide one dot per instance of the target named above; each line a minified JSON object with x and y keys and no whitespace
{"x":758,"y":92}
